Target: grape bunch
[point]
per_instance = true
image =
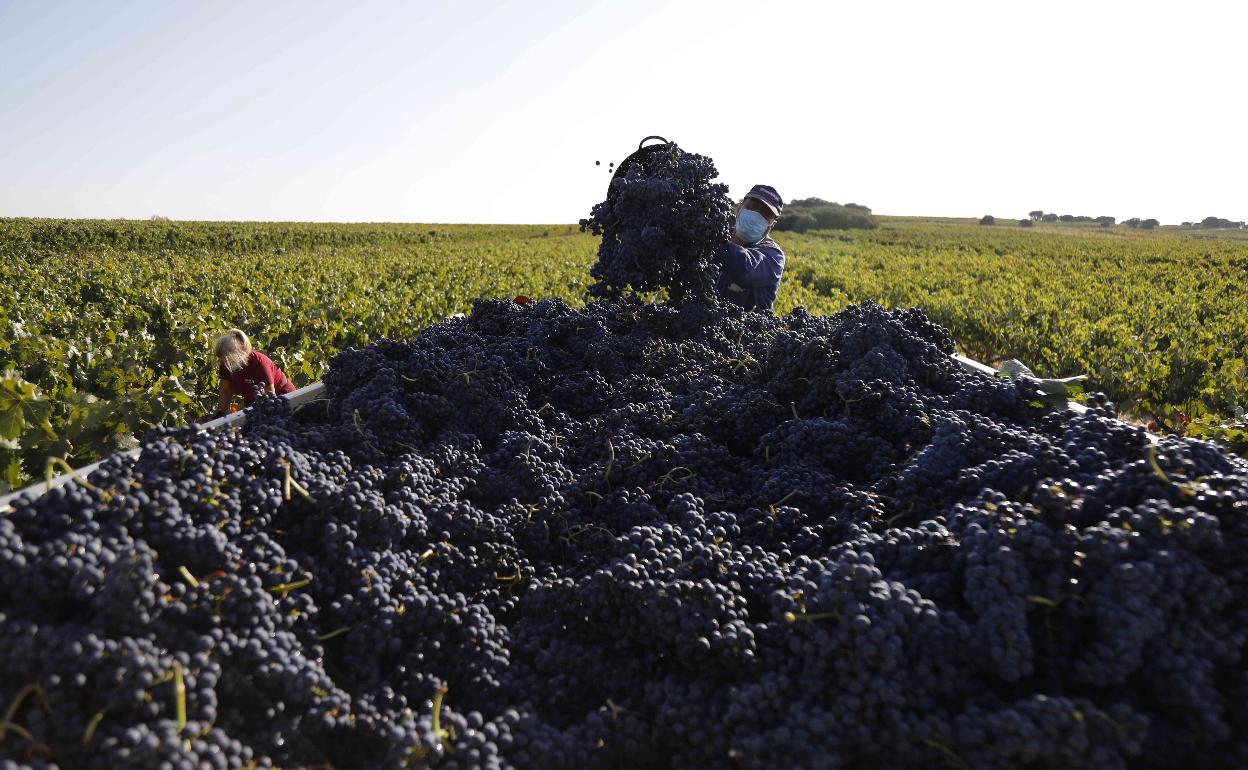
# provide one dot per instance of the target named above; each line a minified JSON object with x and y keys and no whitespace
{"x":662,"y":219}
{"x":637,"y":535}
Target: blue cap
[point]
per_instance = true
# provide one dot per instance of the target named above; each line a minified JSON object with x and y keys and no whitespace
{"x":768,"y":195}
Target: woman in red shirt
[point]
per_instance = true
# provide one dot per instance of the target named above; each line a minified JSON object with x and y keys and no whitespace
{"x":246,"y":372}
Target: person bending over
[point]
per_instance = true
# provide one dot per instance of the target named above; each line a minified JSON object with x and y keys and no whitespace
{"x":751,"y":263}
{"x":244,"y":371}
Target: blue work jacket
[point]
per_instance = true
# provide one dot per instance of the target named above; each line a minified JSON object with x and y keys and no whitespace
{"x":750,"y":275}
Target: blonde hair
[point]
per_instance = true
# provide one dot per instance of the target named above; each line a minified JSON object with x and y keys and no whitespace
{"x":233,"y":349}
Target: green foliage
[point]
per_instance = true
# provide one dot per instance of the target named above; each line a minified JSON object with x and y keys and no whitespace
{"x":107,"y":327}
{"x":154,"y":236}
{"x":1231,"y":433}
{"x":805,"y":214}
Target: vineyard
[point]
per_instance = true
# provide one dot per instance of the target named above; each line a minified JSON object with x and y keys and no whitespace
{"x":107,"y":325}
{"x":538,"y":533}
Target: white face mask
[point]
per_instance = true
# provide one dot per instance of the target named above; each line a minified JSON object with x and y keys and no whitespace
{"x":751,"y":226}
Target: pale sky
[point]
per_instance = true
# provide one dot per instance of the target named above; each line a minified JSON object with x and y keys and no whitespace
{"x":495,"y":111}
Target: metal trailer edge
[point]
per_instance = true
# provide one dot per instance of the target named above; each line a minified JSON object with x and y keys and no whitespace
{"x":304,"y":395}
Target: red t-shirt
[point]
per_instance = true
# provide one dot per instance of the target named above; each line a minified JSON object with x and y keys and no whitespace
{"x":258,"y":372}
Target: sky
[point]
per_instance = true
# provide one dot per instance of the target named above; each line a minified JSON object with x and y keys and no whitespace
{"x":496,"y":111}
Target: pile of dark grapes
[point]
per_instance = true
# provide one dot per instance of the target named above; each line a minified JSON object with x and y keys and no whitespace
{"x":638,"y":536}
{"x":662,"y":219}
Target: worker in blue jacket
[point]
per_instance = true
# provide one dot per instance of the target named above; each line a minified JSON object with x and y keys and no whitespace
{"x":751,"y":263}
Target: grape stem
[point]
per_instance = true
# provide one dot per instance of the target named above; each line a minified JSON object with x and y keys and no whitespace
{"x":188,"y":577}
{"x":949,"y":753}
{"x":289,"y":483}
{"x":511,"y":579}
{"x":606,"y":475}
{"x":443,"y":735}
{"x":678,"y":475}
{"x":179,"y":694}
{"x":1152,"y":460}
{"x":53,"y":462}
{"x":1051,"y":603}
{"x":41,"y":699}
{"x":644,"y":457}
{"x":359,"y":428}
{"x":6,"y":725}
{"x":790,"y":617}
{"x":1185,"y":487}
{"x":286,"y":588}
{"x":89,"y":733}
{"x":785,"y":499}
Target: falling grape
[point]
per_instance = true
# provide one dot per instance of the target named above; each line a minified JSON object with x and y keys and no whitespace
{"x":661,"y":221}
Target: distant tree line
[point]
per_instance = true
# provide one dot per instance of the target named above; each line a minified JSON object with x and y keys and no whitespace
{"x":1042,"y":216}
{"x":1217,"y":222}
{"x":1105,"y":221}
{"x":817,"y":214}
{"x":1134,"y":222}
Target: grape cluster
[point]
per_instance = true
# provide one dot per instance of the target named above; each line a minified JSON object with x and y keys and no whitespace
{"x":637,"y":535}
{"x":662,"y":219}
